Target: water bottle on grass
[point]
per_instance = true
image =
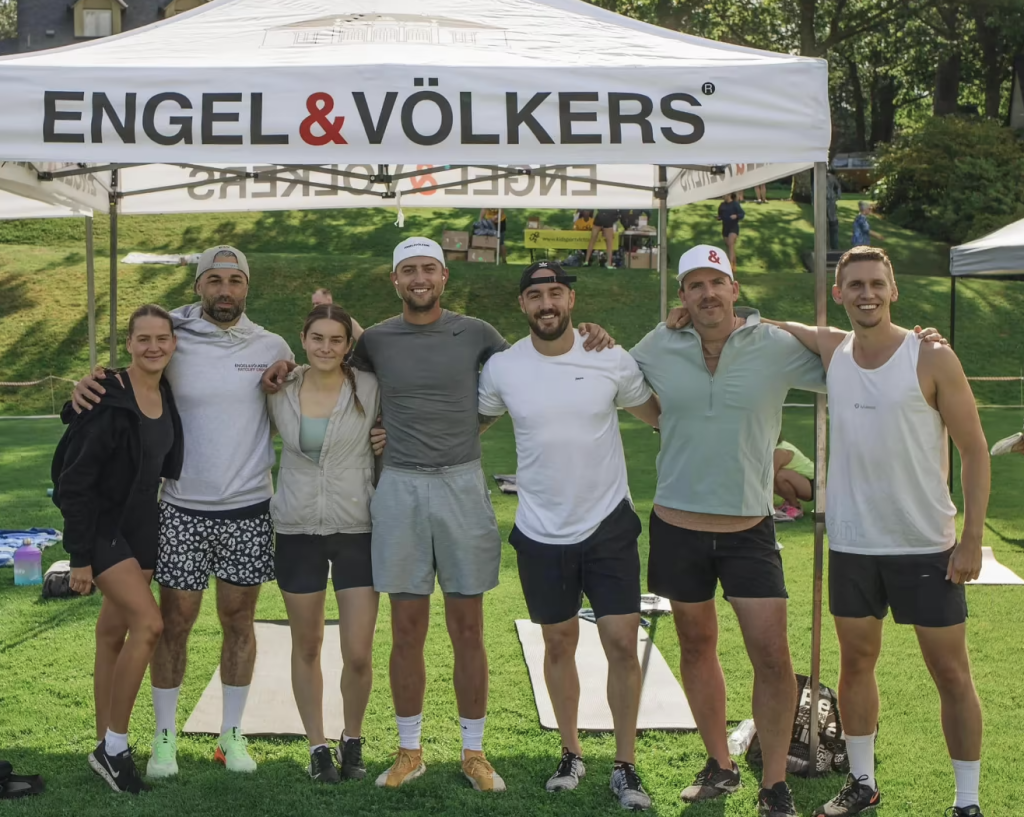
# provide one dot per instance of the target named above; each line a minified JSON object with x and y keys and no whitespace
{"x":741,"y":738}
{"x":28,"y":565}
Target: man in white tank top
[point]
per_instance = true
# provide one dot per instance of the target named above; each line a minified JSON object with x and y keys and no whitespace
{"x":891,"y":522}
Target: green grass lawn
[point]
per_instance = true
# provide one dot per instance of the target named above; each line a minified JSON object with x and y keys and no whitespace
{"x":46,"y":684}
{"x":46,"y":648}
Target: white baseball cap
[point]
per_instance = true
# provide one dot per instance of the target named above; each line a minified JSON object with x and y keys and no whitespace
{"x":416,"y":247}
{"x":704,"y":256}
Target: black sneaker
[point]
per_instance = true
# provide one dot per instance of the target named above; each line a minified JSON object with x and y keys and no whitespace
{"x":568,"y":774}
{"x":350,"y":757}
{"x":966,"y":811}
{"x":853,"y":798}
{"x":118,"y":770}
{"x":627,"y":787}
{"x":776,"y":802}
{"x":321,"y":766}
{"x":712,"y":781}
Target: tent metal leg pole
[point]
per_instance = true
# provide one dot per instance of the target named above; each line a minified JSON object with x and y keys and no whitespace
{"x":952,"y":337}
{"x":662,"y":194}
{"x":821,"y":319}
{"x":113,"y":269}
{"x":90,"y":288}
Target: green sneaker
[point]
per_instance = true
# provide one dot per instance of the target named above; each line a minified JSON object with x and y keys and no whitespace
{"x":164,"y":760}
{"x":233,"y":752}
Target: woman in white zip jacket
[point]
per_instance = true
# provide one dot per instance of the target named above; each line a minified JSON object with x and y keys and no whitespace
{"x":321,"y":512}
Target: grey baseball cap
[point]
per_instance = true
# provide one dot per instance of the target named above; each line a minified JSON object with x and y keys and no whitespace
{"x":207,"y":261}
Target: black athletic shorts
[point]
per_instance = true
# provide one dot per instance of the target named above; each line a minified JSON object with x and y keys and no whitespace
{"x":107,"y":554}
{"x":915,"y":587}
{"x":730,"y":228}
{"x":302,"y":561}
{"x":687,"y":565}
{"x":605,"y":219}
{"x":605,"y":566}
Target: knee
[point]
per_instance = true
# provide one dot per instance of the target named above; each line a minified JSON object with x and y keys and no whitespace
{"x":466,"y":632}
{"x":952,"y":677}
{"x":559,"y":648}
{"x":359,"y":665}
{"x":697,"y":646}
{"x":236,"y":622}
{"x":307,"y":650}
{"x":621,"y":650}
{"x":110,"y":634}
{"x":407,"y":633}
{"x":855,"y":663}
{"x":150,"y":629}
{"x":775,"y":665}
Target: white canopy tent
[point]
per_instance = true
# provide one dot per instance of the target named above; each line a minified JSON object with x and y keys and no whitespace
{"x":347,"y":90}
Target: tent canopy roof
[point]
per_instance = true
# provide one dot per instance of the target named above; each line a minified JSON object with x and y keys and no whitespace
{"x":513,"y":33}
{"x":997,"y":254}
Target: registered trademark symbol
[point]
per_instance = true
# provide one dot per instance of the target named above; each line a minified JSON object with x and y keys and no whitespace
{"x":708,"y":88}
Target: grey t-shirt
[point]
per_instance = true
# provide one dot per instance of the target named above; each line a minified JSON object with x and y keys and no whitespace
{"x":428,"y":386}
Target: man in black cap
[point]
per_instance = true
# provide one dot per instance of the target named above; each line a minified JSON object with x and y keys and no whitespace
{"x":576,"y":530}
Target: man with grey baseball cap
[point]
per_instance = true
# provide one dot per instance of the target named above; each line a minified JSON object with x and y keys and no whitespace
{"x":722,"y":381}
{"x":216,"y":517}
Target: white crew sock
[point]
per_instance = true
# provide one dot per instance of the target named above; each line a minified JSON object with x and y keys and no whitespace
{"x":234,"y":706}
{"x":862,"y":757}
{"x":116,"y":744}
{"x":472,"y":734}
{"x":318,"y":746}
{"x":968,"y":777}
{"x":345,"y":738}
{"x":409,"y":731}
{"x":165,"y":706}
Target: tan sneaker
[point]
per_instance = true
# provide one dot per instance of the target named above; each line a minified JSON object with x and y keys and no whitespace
{"x":407,"y":766}
{"x":481,"y":773}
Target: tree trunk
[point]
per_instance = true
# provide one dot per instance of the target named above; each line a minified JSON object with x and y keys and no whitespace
{"x":991,"y":60}
{"x":859,"y":114}
{"x":808,"y":40}
{"x":947,"y":84}
{"x":883,"y":109}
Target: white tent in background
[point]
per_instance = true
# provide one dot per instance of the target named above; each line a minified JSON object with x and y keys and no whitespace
{"x":996,"y":254}
{"x":356,"y":87}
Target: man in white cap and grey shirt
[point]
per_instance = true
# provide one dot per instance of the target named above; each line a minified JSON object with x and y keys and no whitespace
{"x":216,"y":517}
{"x":432,"y":516}
{"x":722,"y":382}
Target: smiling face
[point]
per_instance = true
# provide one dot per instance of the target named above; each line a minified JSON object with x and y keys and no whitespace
{"x":326,"y":342}
{"x":420,"y":282}
{"x":548,"y":308}
{"x":865,"y":289}
{"x":151,"y":343}
{"x":709,"y":295}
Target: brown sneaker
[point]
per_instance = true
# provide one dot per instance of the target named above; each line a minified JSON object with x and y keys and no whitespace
{"x":481,"y":773}
{"x":407,"y":766}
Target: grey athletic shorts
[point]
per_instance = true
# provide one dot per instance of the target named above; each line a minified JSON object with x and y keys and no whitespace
{"x":429,"y":522}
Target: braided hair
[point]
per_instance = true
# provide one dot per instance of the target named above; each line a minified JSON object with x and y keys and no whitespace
{"x":333,"y":312}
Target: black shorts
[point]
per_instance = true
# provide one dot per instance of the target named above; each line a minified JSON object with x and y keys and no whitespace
{"x":729,"y":229}
{"x":686,"y":565}
{"x":120,"y":549}
{"x":302,"y":561}
{"x":915,"y":587}
{"x":605,"y":566}
{"x":605,"y":219}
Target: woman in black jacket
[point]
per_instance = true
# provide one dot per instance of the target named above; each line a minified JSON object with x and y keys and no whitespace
{"x":106,"y":472}
{"x":730,"y":213}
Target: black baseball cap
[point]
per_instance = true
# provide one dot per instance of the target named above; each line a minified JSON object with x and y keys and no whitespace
{"x":557,"y":275}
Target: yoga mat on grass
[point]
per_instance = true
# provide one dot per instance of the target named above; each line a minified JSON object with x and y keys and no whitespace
{"x":662,"y":702}
{"x":992,"y":572}
{"x":270,"y":708}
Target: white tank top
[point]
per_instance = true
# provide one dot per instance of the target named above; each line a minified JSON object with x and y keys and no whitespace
{"x":888,"y":459}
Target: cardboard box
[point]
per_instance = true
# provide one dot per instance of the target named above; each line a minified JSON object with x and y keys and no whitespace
{"x":484,"y":242}
{"x":481,"y":256}
{"x":643,"y":260}
{"x":455,"y":240}
{"x":454,"y":255}
{"x":533,"y":223}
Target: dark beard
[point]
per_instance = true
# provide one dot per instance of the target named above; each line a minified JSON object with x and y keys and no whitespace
{"x":554,"y":334}
{"x":222,"y":313}
{"x":416,"y":307}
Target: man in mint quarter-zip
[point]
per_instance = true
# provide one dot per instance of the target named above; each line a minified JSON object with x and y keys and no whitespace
{"x":722,"y":381}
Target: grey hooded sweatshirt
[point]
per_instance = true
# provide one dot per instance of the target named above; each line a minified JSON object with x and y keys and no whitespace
{"x":215,"y":374}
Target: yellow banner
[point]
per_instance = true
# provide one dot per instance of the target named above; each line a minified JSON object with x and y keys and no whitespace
{"x":564,"y":240}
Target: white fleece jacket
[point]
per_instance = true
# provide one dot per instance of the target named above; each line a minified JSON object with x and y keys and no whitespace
{"x":215,"y":375}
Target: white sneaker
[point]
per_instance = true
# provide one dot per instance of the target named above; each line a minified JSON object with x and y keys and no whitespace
{"x":1007,"y":444}
{"x":164,"y":760}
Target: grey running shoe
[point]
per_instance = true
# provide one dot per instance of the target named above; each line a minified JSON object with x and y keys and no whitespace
{"x":1007,"y":444}
{"x":568,"y":774}
{"x":712,"y":781}
{"x":855,"y":797}
{"x":627,"y":787}
{"x":776,"y":802}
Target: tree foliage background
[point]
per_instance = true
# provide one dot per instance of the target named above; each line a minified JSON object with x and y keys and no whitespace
{"x":8,"y":19}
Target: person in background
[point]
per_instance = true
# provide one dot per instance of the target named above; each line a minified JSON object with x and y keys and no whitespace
{"x":761,"y":191}
{"x":794,"y":480}
{"x":322,"y":296}
{"x":604,"y":222}
{"x":583,"y":220}
{"x":862,"y":232}
{"x":106,"y":474}
{"x":321,"y":513}
{"x":730,"y":213}
{"x":497,"y":218}
{"x":833,"y":192}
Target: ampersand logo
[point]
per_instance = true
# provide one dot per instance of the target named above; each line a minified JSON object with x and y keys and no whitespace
{"x":424,"y":180}
{"x":319,"y":106}
{"x":713,"y":257}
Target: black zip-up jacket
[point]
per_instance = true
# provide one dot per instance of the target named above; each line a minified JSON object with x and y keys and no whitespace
{"x":98,"y":462}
